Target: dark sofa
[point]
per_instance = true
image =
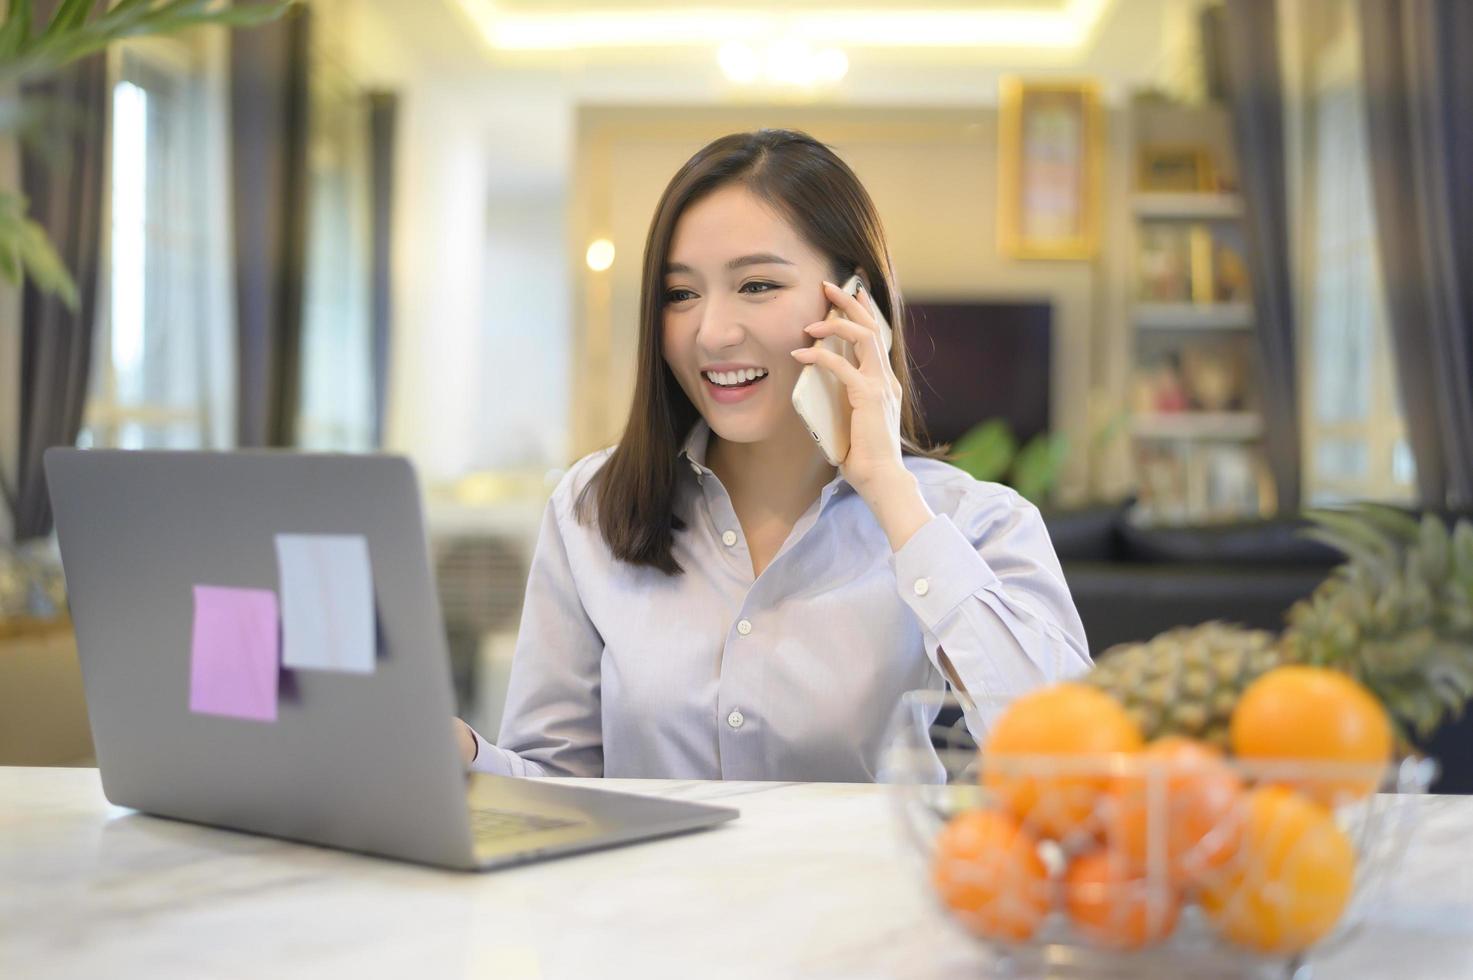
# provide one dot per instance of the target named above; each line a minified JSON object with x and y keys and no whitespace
{"x":1130,"y":583}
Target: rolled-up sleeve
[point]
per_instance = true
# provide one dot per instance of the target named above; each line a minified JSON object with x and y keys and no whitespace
{"x":552,"y":723}
{"x":987,"y":589}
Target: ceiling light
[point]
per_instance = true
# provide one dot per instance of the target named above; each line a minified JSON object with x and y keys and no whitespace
{"x":785,"y":61}
{"x":830,"y":65}
{"x":740,"y":63}
{"x":1065,"y":27}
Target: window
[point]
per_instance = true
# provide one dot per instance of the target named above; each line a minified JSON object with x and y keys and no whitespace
{"x":1355,"y":439}
{"x":163,"y":358}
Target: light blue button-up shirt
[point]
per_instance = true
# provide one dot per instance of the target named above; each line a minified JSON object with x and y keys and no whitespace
{"x":621,"y":670}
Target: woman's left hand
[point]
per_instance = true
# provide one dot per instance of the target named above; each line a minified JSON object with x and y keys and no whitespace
{"x":873,"y":466}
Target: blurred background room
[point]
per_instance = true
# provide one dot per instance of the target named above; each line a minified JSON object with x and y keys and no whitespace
{"x":1177,"y":270}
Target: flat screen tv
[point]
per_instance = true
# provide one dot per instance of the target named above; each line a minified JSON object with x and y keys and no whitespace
{"x":979,"y":361}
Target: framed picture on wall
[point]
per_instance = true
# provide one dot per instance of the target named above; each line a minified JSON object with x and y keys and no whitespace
{"x":1051,"y":149}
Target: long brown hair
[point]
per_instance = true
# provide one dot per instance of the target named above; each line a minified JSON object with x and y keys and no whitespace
{"x":824,"y":201}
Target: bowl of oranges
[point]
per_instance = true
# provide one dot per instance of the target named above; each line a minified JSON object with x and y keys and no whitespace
{"x":1052,"y":830}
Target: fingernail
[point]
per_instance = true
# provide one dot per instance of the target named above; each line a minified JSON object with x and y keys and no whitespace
{"x":829,"y":284}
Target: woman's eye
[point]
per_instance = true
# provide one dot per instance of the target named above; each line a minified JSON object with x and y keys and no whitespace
{"x":678,"y":295}
{"x":757,"y":286}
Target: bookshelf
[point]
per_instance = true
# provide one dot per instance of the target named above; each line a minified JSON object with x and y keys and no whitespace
{"x":1196,"y":425}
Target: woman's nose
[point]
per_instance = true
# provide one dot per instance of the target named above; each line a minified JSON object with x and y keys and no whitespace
{"x":719,"y":328}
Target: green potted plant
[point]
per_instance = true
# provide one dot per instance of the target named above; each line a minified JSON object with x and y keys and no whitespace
{"x":991,"y":452}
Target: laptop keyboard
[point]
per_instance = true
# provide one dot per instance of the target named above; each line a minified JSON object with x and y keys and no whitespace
{"x":488,"y":825}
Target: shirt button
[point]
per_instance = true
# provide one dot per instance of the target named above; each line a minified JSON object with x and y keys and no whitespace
{"x":735,"y":719}
{"x":729,"y":538}
{"x":922,"y":586}
{"x":744,"y":627}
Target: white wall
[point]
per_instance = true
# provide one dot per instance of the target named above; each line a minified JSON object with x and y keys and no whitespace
{"x":439,"y":326}
{"x":525,"y":362}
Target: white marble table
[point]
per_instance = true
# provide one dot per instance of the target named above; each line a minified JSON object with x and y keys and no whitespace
{"x":809,"y":882}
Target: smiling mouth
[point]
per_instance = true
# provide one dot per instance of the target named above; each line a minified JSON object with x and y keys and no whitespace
{"x":734,"y":379}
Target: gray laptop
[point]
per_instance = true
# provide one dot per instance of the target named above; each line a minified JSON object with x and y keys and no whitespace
{"x":365,"y":762}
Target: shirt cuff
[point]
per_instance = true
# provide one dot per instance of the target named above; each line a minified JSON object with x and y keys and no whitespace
{"x":484,"y":754}
{"x":493,"y":759}
{"x":937,"y":570}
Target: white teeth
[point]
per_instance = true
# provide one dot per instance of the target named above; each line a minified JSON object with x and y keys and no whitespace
{"x":728,"y":378}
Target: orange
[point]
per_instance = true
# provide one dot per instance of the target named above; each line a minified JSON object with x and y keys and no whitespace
{"x":1292,"y":877}
{"x":1111,"y":905}
{"x":1315,"y":715}
{"x":988,"y":871}
{"x":1047,"y":757}
{"x":1198,"y":823}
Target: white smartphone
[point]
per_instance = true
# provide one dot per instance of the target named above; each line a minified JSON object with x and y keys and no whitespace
{"x":820,"y":398}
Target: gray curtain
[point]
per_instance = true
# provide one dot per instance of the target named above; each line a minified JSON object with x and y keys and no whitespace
{"x":383,"y":109}
{"x":269,"y":99}
{"x":65,"y":190}
{"x":1419,"y":110}
{"x":1255,"y":93}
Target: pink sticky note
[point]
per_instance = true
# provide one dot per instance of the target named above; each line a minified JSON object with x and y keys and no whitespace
{"x":234,"y":658}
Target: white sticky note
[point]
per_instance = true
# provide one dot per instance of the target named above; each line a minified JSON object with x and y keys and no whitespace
{"x":327,"y":620}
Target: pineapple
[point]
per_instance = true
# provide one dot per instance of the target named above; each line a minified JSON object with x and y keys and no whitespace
{"x":1397,"y":616}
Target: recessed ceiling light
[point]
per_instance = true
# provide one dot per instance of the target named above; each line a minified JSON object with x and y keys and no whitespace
{"x":1065,"y":27}
{"x":790,"y":61}
{"x":739,"y":62}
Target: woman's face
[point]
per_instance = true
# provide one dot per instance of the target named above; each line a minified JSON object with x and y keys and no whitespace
{"x":740,"y":286}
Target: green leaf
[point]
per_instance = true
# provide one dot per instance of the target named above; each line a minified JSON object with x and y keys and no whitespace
{"x":43,"y":265}
{"x":1037,"y":468}
{"x":1350,"y":533}
{"x":986,"y":451}
{"x":1463,"y":549}
{"x":16,"y":30}
{"x":69,"y":38}
{"x":1350,"y":549}
{"x":69,"y":16}
{"x":1398,"y":523}
{"x":10,"y":262}
{"x":1434,"y":549}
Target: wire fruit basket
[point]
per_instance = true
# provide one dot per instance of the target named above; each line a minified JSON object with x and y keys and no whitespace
{"x":1127,"y":865}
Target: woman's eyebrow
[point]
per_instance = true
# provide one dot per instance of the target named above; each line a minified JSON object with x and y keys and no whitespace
{"x":756,"y":258}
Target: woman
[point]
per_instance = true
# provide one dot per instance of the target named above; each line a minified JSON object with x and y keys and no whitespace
{"x":710,"y":598}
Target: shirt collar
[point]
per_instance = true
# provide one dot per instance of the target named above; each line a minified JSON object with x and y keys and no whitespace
{"x":693,"y":455}
{"x":693,"y":452}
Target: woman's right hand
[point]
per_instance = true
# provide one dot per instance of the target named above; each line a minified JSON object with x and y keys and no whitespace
{"x":466,"y":741}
